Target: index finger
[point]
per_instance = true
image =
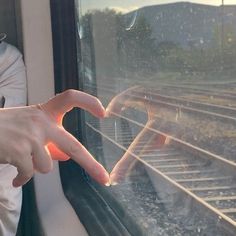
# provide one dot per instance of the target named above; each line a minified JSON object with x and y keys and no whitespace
{"x":71,"y":98}
{"x":73,"y":148}
{"x":145,"y":142}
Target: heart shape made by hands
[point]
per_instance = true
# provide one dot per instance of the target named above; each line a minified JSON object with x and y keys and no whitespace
{"x":147,"y":140}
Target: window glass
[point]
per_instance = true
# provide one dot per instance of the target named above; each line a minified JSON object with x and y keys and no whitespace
{"x":166,"y":70}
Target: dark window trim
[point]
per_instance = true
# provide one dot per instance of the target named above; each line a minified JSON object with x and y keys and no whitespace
{"x":29,"y":223}
{"x":90,"y":202}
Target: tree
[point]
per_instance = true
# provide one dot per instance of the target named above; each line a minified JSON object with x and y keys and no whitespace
{"x":139,"y":46}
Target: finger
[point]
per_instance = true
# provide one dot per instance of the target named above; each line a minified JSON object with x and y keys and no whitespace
{"x":124,"y":100}
{"x":148,"y":141}
{"x":56,"y":153}
{"x":69,"y":145}
{"x":25,"y":172}
{"x":157,"y":142}
{"x":125,"y":164}
{"x":41,"y":158}
{"x":119,"y":102}
{"x":123,"y":167}
{"x":69,"y":99}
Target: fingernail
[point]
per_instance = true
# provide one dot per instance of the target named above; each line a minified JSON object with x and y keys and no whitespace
{"x":108,"y":182}
{"x":113,"y":178}
{"x":114,"y":183}
{"x":103,"y":113}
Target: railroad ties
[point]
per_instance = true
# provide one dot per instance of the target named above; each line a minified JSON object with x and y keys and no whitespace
{"x":187,"y":170}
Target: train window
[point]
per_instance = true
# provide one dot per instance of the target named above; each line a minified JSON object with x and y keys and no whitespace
{"x":166,"y":73}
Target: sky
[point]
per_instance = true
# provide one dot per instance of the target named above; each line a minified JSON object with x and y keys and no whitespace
{"x":129,"y":5}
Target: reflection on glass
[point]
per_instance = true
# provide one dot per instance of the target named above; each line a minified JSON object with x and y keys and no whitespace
{"x":145,"y":142}
{"x":167,"y":74}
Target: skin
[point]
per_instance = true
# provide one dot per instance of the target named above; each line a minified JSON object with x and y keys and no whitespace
{"x":32,"y":136}
{"x":149,"y":141}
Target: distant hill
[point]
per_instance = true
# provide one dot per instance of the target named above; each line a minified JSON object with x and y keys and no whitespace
{"x":186,"y":23}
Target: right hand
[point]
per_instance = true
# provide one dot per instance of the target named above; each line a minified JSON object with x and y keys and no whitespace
{"x":32,"y":135}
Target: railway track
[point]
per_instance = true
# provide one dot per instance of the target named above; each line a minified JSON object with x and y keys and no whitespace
{"x":185,"y":103}
{"x":208,"y":180}
{"x":195,"y":107}
{"x":212,"y":96}
{"x":209,"y":93}
{"x":181,"y":119}
{"x":191,"y":172}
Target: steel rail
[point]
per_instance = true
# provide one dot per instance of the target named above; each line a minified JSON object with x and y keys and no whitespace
{"x":185,"y":146}
{"x":217,"y":108}
{"x":231,"y":119}
{"x":224,"y":219}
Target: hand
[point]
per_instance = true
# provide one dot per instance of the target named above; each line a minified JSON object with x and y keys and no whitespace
{"x":32,"y":136}
{"x":145,"y":142}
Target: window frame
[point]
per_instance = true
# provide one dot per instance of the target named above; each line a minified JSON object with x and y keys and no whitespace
{"x":93,"y":203}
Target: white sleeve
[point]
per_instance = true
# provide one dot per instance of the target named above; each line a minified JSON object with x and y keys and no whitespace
{"x":13,"y":88}
{"x":13,"y":78}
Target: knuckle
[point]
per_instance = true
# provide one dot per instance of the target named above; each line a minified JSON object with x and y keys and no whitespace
{"x":20,"y":150}
{"x":97,"y":102}
{"x":34,"y":141}
{"x":28,"y":174}
{"x":73,"y":150}
{"x":70,"y":94}
{"x":46,"y":169}
{"x":37,"y":117}
{"x":35,"y":134}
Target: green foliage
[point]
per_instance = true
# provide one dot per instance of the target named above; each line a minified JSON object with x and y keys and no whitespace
{"x":122,"y":50}
{"x":138,"y":49}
